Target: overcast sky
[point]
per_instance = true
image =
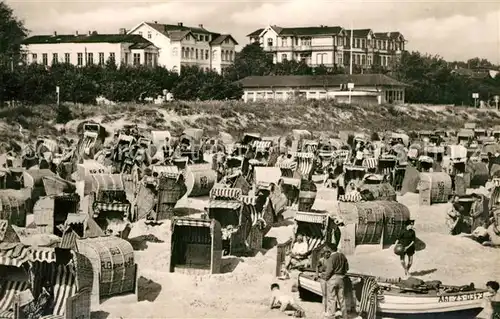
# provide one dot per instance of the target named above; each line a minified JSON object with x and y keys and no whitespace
{"x":456,"y":30}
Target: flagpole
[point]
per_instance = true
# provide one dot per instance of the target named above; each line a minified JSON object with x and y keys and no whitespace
{"x":352,"y":41}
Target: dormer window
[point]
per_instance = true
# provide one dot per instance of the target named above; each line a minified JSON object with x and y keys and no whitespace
{"x":188,"y":37}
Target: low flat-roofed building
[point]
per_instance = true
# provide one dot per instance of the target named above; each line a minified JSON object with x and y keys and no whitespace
{"x":356,"y":88}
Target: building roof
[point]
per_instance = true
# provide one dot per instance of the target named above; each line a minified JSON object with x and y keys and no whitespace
{"x":306,"y":31}
{"x":140,"y":46}
{"x":319,"y":80}
{"x":218,"y":40}
{"x":388,"y":35}
{"x":359,"y":33}
{"x":166,"y":28}
{"x":92,"y":38}
{"x":301,"y":31}
{"x":255,"y":33}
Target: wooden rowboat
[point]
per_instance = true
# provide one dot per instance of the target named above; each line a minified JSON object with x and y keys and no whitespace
{"x":394,"y":302}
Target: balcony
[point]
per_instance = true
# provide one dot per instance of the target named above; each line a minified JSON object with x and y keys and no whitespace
{"x":299,"y":48}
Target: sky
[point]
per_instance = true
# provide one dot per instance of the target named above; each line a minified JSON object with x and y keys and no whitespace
{"x":455,"y":30}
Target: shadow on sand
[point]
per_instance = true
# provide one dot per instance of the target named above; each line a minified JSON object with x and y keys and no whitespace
{"x":230,"y":263}
{"x":147,"y":289}
{"x":141,"y":242}
{"x":99,"y":315}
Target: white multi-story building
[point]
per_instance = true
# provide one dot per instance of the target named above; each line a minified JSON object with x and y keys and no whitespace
{"x":330,"y":46}
{"x":181,"y":45}
{"x":91,"y":48}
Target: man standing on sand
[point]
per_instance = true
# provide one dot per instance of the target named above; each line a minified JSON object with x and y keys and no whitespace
{"x":336,"y":270}
{"x":320,"y":275}
{"x":407,"y":240}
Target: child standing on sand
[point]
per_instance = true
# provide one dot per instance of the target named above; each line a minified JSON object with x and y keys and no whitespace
{"x":284,"y":302}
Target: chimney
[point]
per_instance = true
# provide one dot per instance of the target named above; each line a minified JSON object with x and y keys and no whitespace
{"x":90,"y":32}
{"x":200,"y":25}
{"x":179,"y":24}
{"x":122,"y":31}
{"x":156,"y":22}
{"x":76,"y":33}
{"x":55,"y":33}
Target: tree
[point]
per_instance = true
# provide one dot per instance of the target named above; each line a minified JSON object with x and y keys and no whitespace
{"x":252,"y":60}
{"x":478,"y":63}
{"x":12,"y":33}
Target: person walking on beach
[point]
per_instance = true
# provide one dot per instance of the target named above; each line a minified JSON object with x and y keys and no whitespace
{"x":407,"y":240}
{"x":320,"y":275}
{"x":337,"y":267}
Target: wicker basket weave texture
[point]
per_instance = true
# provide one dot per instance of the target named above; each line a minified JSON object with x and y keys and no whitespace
{"x":435,"y":188}
{"x":382,"y":191}
{"x":113,"y":258}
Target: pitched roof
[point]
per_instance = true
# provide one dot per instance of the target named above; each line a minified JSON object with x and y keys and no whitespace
{"x":218,"y":40}
{"x":166,"y":28}
{"x":301,"y":31}
{"x":255,"y":33}
{"x":140,"y":46}
{"x":388,"y":35}
{"x":305,"y":31}
{"x":178,"y":35}
{"x":359,"y":33}
{"x":93,"y":38}
{"x":319,"y":81}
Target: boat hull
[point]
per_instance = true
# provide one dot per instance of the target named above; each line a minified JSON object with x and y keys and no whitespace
{"x":392,"y":303}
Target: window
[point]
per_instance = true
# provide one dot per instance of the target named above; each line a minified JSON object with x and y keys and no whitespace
{"x":188,"y":37}
{"x":137,"y":59}
{"x":45,"y":59}
{"x":363,"y":43}
{"x":319,"y":58}
{"x":155,"y":59}
{"x":227,"y":56}
{"x":55,"y":58}
{"x":226,"y":41}
{"x":306,"y":41}
{"x":34,"y":57}
{"x":269,"y":42}
{"x":101,"y":58}
{"x":67,"y":58}
{"x":284,"y":57}
{"x":24,"y":57}
{"x":207,"y":54}
{"x":175,"y":51}
{"x":149,"y":59}
{"x":339,"y":60}
{"x":231,"y":56}
{"x":192,"y":53}
{"x":196,"y":54}
{"x":79,"y":57}
{"x":126,"y":59}
{"x":149,"y":35}
{"x":357,"y":43}
{"x":90,"y":58}
{"x":112,"y":56}
{"x":296,"y":41}
{"x":363,"y":59}
{"x":183,"y":52}
{"x":222,"y":55}
{"x":384,"y":45}
{"x":370,"y":61}
{"x":207,"y":38}
{"x":214,"y":55}
{"x":284,"y":42}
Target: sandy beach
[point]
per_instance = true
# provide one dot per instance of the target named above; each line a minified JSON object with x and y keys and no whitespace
{"x":242,"y":291}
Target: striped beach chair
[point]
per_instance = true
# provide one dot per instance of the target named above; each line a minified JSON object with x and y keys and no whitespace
{"x":249,"y":201}
{"x":370,"y":163}
{"x":352,"y":197}
{"x":342,"y":155}
{"x":287,"y":166}
{"x":310,"y":225}
{"x":8,"y":293}
{"x":305,"y":162}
